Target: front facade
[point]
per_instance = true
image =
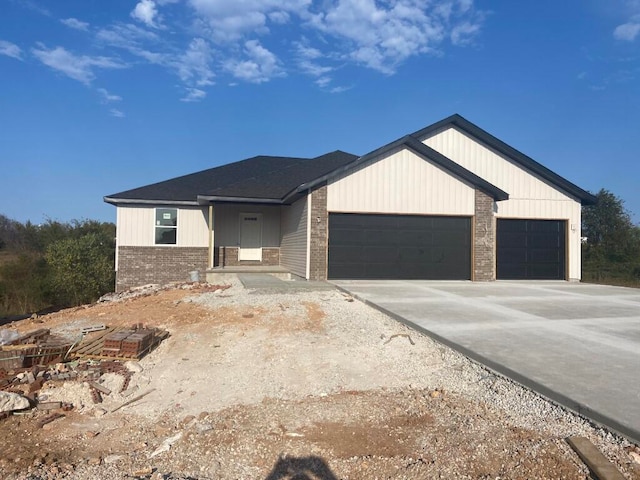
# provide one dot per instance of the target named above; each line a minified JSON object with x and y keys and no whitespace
{"x":447,"y":202}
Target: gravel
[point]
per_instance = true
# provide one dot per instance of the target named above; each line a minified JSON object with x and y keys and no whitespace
{"x":269,"y":385}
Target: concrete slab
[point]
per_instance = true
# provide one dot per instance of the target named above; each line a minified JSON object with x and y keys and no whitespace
{"x":267,"y":283}
{"x":578,"y":344}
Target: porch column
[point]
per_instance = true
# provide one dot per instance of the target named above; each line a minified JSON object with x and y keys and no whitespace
{"x":211,"y":238}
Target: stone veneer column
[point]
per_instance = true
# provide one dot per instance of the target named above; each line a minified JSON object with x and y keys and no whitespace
{"x":484,"y":239}
{"x":319,"y":234}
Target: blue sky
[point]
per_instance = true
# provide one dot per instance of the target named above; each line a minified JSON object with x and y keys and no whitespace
{"x":98,"y":97}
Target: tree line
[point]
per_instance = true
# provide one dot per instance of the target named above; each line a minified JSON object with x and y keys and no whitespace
{"x":611,"y":250}
{"x":55,"y":264}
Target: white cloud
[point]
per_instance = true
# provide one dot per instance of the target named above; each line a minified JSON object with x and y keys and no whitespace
{"x":464,"y":33}
{"x":307,"y":60}
{"x":108,"y":97}
{"x":628,"y":31}
{"x":126,"y":36}
{"x":194,"y":64}
{"x":79,"y":68}
{"x":194,"y":95}
{"x":75,"y":24}
{"x":10,"y":50}
{"x":279,"y":17}
{"x":340,"y":89}
{"x":229,"y":20}
{"x":323,"y":82}
{"x":260,"y":66}
{"x":114,"y":112}
{"x":383,"y":35}
{"x":146,"y":12}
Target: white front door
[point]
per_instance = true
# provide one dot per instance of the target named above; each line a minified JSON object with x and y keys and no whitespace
{"x":250,"y":236}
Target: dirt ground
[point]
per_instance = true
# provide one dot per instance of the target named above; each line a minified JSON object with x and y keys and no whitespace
{"x":297,"y":385}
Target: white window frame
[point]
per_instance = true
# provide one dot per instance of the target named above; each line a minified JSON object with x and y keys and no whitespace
{"x":156,"y":226}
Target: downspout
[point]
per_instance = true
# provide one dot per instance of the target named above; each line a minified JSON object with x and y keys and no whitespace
{"x":211,"y":243}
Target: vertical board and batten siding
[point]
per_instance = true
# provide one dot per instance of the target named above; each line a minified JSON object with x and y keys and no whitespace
{"x":293,"y":246}
{"x":530,"y":197}
{"x":227,"y":224}
{"x":135,"y":227}
{"x":400,"y":182}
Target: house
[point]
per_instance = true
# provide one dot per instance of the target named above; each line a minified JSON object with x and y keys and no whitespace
{"x":449,"y":201}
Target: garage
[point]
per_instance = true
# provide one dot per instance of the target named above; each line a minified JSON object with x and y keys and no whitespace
{"x":531,"y":249}
{"x":372,"y":246}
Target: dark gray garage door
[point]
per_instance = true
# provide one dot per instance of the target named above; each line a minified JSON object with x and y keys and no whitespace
{"x":399,"y":247}
{"x":531,"y":249}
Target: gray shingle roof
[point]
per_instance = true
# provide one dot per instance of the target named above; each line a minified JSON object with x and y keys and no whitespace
{"x":259,"y":178}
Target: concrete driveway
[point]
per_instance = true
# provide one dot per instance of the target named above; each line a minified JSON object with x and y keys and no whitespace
{"x":578,"y":344}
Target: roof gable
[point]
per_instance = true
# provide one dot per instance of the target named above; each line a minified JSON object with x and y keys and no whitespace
{"x":519,"y":158}
{"x":426,"y":153}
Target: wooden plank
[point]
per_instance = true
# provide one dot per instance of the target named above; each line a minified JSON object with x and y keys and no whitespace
{"x":602,"y":468}
{"x":100,"y":388}
{"x":96,"y":339}
{"x":94,"y":328}
{"x":95,"y":343}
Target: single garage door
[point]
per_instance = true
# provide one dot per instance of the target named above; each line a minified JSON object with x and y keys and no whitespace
{"x":531,"y":249}
{"x":399,"y":247}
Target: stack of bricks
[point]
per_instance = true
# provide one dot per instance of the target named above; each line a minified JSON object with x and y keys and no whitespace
{"x":127,"y":343}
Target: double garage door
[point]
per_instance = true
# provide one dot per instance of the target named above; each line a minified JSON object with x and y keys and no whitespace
{"x":368,"y":246}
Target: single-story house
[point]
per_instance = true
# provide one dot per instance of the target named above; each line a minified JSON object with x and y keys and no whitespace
{"x":449,"y":201}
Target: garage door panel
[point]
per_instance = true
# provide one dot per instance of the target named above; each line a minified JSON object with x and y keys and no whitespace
{"x":378,"y":254}
{"x":399,"y":247}
{"x":545,"y":256}
{"x":348,"y":254}
{"x":544,"y":240}
{"x":531,"y":249}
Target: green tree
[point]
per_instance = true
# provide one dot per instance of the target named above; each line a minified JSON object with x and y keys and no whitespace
{"x":22,"y":285}
{"x":612,"y":248}
{"x":81,"y":269}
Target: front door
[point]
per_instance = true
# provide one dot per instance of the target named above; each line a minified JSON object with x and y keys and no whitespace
{"x":250,"y":237}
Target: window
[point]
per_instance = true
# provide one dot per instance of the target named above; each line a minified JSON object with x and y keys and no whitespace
{"x":166,"y":226}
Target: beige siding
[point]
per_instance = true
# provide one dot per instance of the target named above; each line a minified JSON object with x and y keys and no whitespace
{"x":193,"y":228}
{"x":135,"y":227}
{"x":529,"y":196}
{"x":493,"y":167}
{"x":227,"y":227}
{"x":400,"y":182}
{"x":293,"y":248}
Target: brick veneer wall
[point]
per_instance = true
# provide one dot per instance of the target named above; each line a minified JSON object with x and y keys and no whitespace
{"x":484,"y":239}
{"x":228,"y":257}
{"x":142,"y":265}
{"x":319,"y":235}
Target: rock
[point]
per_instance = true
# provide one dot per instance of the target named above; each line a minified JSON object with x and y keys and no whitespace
{"x":12,"y":401}
{"x":99,"y":412}
{"x":134,"y":367}
{"x":635,"y":456}
{"x":187,"y":420}
{"x":112,"y":458}
{"x":143,"y":472}
{"x":90,"y":434}
{"x":94,"y":461}
{"x":203,"y":427}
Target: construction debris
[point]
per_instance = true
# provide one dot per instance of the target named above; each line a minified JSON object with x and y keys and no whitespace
{"x":34,"y":361}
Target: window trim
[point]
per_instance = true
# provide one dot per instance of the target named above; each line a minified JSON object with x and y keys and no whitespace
{"x":155,"y":226}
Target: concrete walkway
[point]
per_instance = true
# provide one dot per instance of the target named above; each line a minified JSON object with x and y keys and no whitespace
{"x":578,"y":344}
{"x":266,"y":283}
